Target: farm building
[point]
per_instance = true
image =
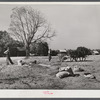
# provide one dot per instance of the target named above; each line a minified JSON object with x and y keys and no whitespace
{"x":62,"y":51}
{"x":95,"y":52}
{"x":61,"y":54}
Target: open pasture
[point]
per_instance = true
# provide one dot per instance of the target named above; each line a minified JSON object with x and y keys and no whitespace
{"x":37,"y":76}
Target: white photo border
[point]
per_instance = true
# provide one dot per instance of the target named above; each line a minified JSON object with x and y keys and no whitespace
{"x":11,"y":93}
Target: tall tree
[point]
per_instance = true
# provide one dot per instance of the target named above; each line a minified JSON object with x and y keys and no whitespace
{"x":40,"y":48}
{"x":5,"y":40}
{"x":83,"y":52}
{"x":29,"y":25}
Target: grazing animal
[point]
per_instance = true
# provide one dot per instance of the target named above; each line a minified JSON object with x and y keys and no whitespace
{"x":21,"y":62}
{"x":62,"y":74}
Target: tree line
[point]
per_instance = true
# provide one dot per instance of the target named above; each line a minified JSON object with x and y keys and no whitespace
{"x":39,"y":48}
{"x":28,"y":32}
{"x":17,"y":48}
{"x":79,"y":54}
{"x":28,"y":28}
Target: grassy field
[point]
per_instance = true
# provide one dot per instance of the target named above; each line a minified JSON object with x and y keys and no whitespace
{"x":44,"y":77}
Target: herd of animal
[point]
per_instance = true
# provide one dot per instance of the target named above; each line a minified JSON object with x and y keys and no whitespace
{"x":68,"y":71}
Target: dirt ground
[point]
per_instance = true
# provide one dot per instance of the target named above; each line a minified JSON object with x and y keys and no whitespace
{"x":36,"y":76}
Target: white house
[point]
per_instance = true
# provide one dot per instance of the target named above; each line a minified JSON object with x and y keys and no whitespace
{"x":62,"y":51}
{"x":95,"y":52}
{"x":61,"y":54}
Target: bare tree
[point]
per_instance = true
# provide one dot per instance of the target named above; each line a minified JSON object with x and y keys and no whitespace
{"x":29,"y":25}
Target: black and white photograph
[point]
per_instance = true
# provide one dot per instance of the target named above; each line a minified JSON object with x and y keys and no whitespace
{"x":49,"y":46}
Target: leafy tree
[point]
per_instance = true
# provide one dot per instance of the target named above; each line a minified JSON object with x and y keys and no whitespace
{"x":33,"y":48}
{"x":54,"y":52}
{"x":14,"y":48}
{"x":83,"y":52}
{"x":6,"y":40}
{"x":29,"y":25}
{"x":45,"y":48}
{"x":73,"y":54}
{"x":40,"y":48}
{"x":80,"y":53}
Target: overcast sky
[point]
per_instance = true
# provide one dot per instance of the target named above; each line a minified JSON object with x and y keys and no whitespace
{"x":75,"y":25}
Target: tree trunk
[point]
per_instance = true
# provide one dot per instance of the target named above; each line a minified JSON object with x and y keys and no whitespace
{"x":27,"y":51}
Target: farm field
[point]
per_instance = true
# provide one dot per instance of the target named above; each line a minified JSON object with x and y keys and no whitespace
{"x":37,"y":76}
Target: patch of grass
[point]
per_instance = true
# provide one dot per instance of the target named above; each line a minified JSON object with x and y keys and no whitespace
{"x":42,"y":77}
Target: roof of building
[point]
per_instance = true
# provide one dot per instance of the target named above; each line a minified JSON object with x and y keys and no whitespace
{"x":95,"y":51}
{"x":64,"y":51}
